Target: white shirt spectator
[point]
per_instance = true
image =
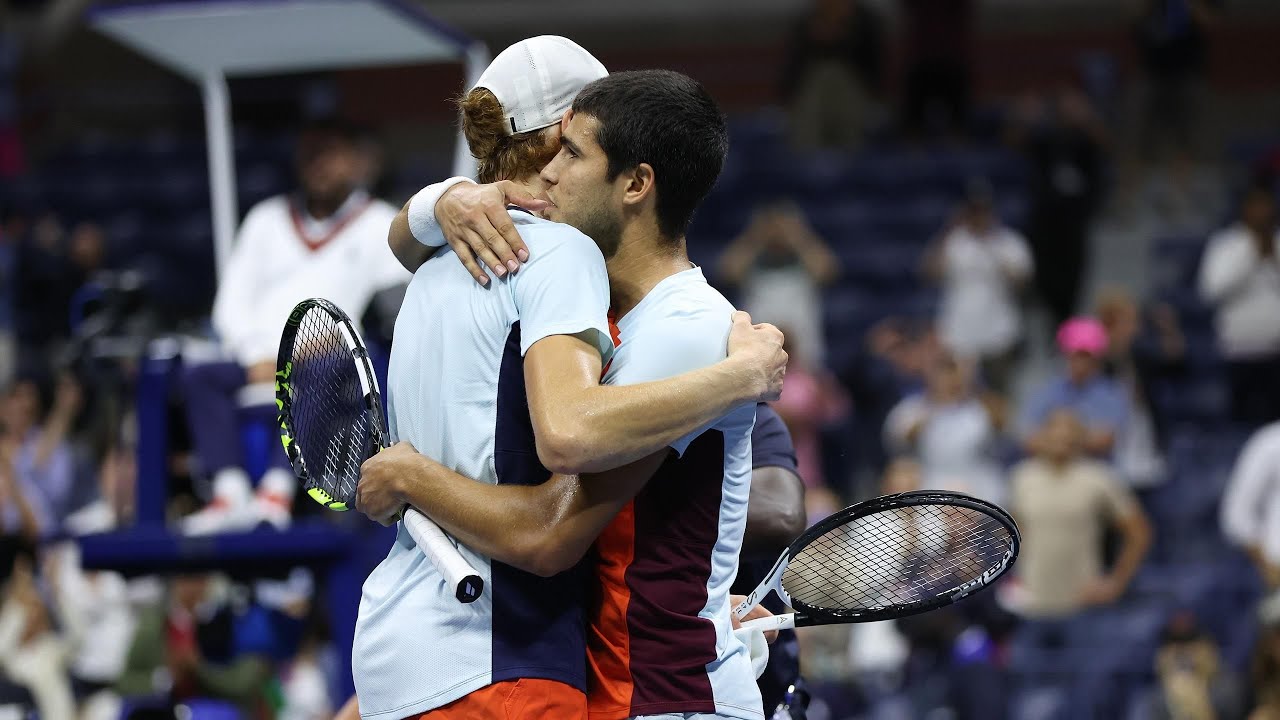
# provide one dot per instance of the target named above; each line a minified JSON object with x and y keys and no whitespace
{"x":97,"y":619}
{"x":954,"y":445}
{"x":789,"y":297}
{"x":36,"y":661}
{"x":1251,"y":505}
{"x":980,"y":316}
{"x":282,"y":257}
{"x":1245,"y":289}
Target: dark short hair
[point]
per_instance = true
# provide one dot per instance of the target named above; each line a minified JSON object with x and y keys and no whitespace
{"x":667,"y":120}
{"x":325,"y":133}
{"x":1262,"y":185}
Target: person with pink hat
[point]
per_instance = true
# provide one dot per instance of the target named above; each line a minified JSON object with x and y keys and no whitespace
{"x":1099,"y":401}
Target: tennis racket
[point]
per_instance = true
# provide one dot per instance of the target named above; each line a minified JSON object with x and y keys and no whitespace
{"x":331,"y":421}
{"x":889,"y":557}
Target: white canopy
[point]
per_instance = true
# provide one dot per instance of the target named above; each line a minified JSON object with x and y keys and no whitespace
{"x":211,"y":40}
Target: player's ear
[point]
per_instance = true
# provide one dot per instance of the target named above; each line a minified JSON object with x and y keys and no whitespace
{"x":640,"y":184}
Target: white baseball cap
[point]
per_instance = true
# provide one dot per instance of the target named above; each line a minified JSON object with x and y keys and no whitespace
{"x":537,"y":79}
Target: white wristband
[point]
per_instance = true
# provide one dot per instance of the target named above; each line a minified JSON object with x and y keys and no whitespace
{"x":422,"y":212}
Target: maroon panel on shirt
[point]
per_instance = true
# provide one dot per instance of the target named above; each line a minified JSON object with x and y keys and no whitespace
{"x":677,"y":518}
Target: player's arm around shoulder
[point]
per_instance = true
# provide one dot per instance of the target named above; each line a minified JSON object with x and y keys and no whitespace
{"x":470,"y":218}
{"x":671,"y":384}
{"x":542,"y":529}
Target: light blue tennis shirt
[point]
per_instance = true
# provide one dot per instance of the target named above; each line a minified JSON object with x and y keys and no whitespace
{"x":456,"y":391}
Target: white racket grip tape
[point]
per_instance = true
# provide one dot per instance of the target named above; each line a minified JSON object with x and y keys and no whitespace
{"x":431,"y":540}
{"x":786,"y":621}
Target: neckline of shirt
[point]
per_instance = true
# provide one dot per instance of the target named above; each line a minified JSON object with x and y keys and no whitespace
{"x":350,"y":209}
{"x":660,"y":289}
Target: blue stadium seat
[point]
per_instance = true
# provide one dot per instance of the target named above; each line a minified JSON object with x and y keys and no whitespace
{"x":177,"y":190}
{"x":766,"y":127}
{"x":205,"y":709}
{"x":1201,"y":400}
{"x":259,"y":182}
{"x":1175,"y":261}
{"x":124,"y":232}
{"x":163,"y":149}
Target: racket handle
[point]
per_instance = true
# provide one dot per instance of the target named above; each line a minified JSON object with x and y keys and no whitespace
{"x":786,"y":621}
{"x":466,"y":582}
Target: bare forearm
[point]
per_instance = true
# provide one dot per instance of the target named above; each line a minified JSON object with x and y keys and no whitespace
{"x":1137,"y":539}
{"x":28,"y":523}
{"x":619,"y":424}
{"x":54,"y":432}
{"x":819,"y":262}
{"x":503,"y":523}
{"x":736,"y":261}
{"x":349,"y":711}
{"x":1100,"y":442}
{"x":404,"y":245}
{"x":543,"y":529}
{"x":775,"y":515}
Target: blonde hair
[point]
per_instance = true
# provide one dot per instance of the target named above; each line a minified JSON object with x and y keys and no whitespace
{"x":502,"y":156}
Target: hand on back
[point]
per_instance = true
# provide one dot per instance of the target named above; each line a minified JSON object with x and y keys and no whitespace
{"x":475,"y":222}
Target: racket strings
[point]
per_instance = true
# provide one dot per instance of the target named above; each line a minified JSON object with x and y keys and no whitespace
{"x":331,"y":422}
{"x":898,"y":557}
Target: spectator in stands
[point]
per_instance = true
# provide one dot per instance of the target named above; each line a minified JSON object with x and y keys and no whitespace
{"x":97,"y":623}
{"x":1144,"y":350}
{"x":1265,"y":665}
{"x":1064,"y":500}
{"x":43,"y":288}
{"x":833,"y":73}
{"x":1194,"y":681}
{"x":190,"y":645}
{"x":811,"y":400}
{"x":1097,"y":400}
{"x":299,"y":637}
{"x":1251,"y":503}
{"x":8,"y":276}
{"x":952,"y":430}
{"x":51,"y":266}
{"x":304,"y":686}
{"x":39,"y":456}
{"x":1173,"y":42}
{"x":872,"y":654}
{"x":12,"y":158}
{"x":327,"y":241}
{"x":1064,"y":142}
{"x":112,"y":506}
{"x":981,"y":264}
{"x":780,"y":264}
{"x":19,"y":520}
{"x":1240,"y":277}
{"x":890,"y":366}
{"x":939,"y":58}
{"x":32,"y":655}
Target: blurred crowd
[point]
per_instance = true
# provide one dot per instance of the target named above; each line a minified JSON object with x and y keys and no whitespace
{"x":93,"y":643}
{"x":1015,"y":385}
{"x":1078,"y":448}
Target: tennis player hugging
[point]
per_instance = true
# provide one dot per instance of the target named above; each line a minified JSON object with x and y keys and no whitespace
{"x":532,"y":429}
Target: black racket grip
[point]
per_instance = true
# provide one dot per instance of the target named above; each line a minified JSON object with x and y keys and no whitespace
{"x":470,"y":589}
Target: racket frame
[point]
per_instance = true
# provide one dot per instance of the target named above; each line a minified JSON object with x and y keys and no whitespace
{"x":284,"y":393}
{"x":805,"y":615}
{"x":466,"y":583}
